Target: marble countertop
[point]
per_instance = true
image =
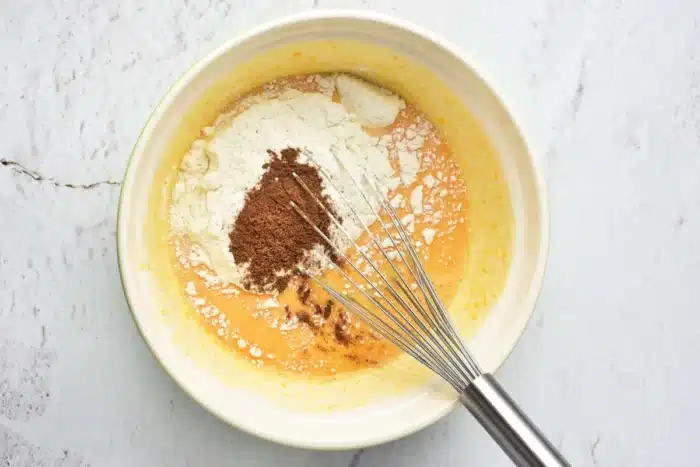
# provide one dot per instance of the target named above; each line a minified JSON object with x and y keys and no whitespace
{"x":608,"y":95}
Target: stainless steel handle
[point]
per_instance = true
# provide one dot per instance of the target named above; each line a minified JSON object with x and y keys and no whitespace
{"x":508,"y":425}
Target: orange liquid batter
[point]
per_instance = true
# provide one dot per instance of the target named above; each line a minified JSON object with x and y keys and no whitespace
{"x":260,"y":328}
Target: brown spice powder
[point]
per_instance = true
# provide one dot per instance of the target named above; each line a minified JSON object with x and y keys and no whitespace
{"x":268,"y":235}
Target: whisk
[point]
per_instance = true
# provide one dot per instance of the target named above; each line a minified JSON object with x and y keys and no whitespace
{"x":414,"y":318}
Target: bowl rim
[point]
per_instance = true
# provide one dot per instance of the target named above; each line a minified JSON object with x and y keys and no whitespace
{"x":302,"y":17}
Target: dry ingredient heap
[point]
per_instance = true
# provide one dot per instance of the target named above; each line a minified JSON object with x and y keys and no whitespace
{"x":231,"y":198}
{"x":268,"y":235}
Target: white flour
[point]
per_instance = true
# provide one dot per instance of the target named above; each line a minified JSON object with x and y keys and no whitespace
{"x":373,"y":106}
{"x":216,"y":173}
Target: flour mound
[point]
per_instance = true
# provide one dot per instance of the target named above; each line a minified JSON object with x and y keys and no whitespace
{"x":217,"y":172}
{"x":373,"y":106}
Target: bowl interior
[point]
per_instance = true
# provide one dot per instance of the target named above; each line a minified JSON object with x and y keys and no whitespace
{"x":423,"y":69}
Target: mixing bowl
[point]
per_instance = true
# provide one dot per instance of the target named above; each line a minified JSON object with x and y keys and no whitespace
{"x":421,"y":67}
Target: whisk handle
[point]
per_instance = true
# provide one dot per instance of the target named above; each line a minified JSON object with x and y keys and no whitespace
{"x":508,"y":425}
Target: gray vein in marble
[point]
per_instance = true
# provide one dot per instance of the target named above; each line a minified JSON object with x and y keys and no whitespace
{"x":594,"y":446}
{"x":13,"y":303}
{"x":540,"y":321}
{"x":355,"y":461}
{"x":580,"y":90}
{"x":38,"y":177}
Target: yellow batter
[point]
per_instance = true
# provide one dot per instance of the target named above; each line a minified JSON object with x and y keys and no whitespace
{"x":273,"y":336}
{"x":470,"y":266}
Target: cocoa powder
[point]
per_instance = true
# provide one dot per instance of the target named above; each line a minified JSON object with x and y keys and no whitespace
{"x":318,"y":319}
{"x":268,"y":235}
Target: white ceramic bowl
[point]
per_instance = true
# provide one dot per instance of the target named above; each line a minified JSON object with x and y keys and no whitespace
{"x":494,"y":340}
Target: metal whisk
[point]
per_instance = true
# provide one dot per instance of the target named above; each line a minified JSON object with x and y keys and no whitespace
{"x":414,"y":318}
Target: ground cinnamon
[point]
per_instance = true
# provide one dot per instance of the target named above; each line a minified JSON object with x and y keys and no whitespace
{"x":268,"y":235}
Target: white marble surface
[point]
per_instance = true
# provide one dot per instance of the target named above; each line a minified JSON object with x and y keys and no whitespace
{"x":608,"y":93}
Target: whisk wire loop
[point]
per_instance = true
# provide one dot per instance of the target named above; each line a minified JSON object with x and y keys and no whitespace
{"x":443,"y":323}
{"x":396,"y":317}
{"x":377,"y":244}
{"x":415,"y":267}
{"x":422,"y":323}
